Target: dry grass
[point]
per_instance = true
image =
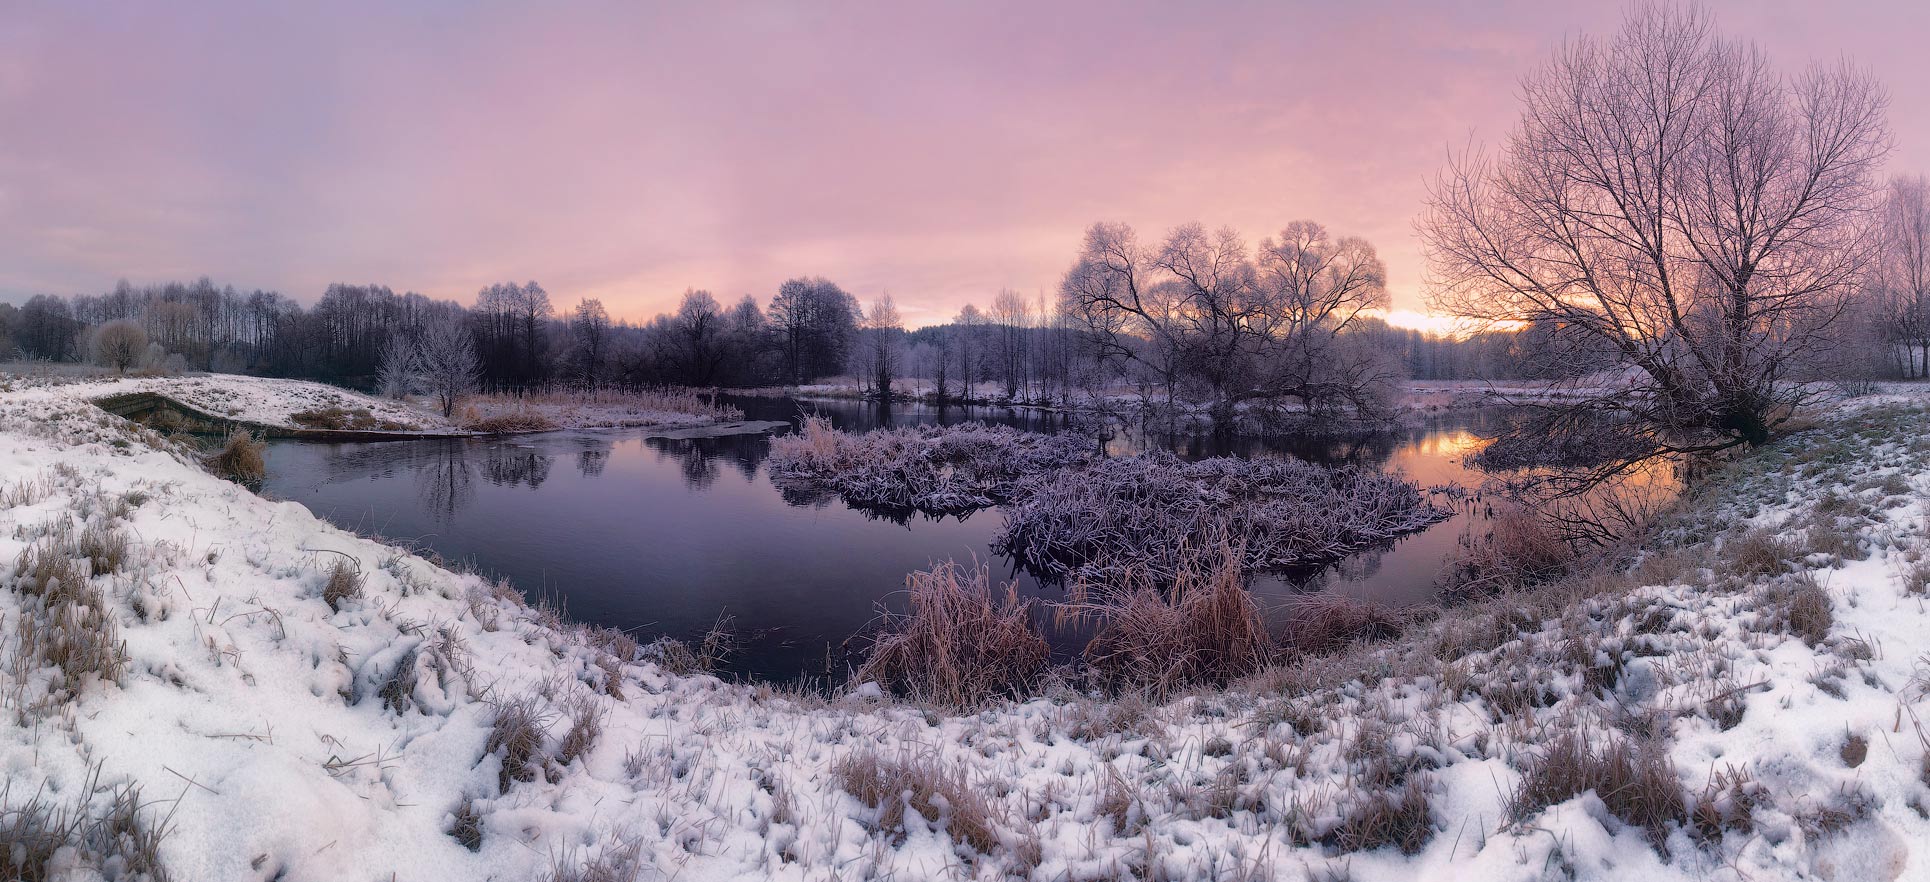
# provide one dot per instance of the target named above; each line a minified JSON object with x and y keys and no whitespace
{"x":1801,"y":607}
{"x":44,"y":842}
{"x":239,"y":460}
{"x":1324,"y":623}
{"x":1397,"y":817}
{"x":466,"y":827}
{"x":66,"y":625}
{"x":962,"y":645}
{"x":1158,"y":636}
{"x":586,"y":724}
{"x":620,"y":860}
{"x":1519,"y":551}
{"x":342,"y":418}
{"x":897,"y":788}
{"x":105,"y":548}
{"x":1759,"y":552}
{"x":1634,"y":779}
{"x":344,"y":583}
{"x":1727,"y":804}
{"x":516,"y":737}
{"x":522,"y":420}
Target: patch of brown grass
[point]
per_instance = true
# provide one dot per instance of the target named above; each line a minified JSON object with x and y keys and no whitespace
{"x":962,"y":645}
{"x":516,"y":737}
{"x":344,"y":583}
{"x":239,"y":460}
{"x":1158,"y":636}
{"x":510,"y":423}
{"x":1323,"y":623}
{"x":1801,"y":607}
{"x":892,"y":788}
{"x":1519,"y":551}
{"x":341,"y":418}
{"x":1634,"y":779}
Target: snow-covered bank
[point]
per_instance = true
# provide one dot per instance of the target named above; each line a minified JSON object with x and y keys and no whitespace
{"x":262,"y":401}
{"x":296,"y":702}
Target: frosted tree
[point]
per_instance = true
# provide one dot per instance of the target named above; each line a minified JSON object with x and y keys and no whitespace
{"x":449,"y":366}
{"x":397,"y":375}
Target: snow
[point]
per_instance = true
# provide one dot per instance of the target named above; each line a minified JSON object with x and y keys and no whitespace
{"x":259,"y":400}
{"x":263,"y":724}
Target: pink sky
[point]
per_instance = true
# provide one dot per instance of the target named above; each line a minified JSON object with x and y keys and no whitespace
{"x":628,"y":151}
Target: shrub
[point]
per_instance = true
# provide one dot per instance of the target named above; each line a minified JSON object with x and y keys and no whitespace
{"x":240,"y":460}
{"x":961,"y":645}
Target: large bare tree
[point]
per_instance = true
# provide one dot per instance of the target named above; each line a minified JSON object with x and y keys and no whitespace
{"x":1901,"y":282}
{"x":1672,"y":196}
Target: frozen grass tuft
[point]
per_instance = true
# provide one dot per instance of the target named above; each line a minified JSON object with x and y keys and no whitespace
{"x":1324,"y":623}
{"x":239,"y":460}
{"x":1634,"y":779}
{"x":344,"y":583}
{"x":897,"y":789}
{"x":962,"y":645}
{"x":1397,"y":817}
{"x":516,"y":737}
{"x":1801,"y":607}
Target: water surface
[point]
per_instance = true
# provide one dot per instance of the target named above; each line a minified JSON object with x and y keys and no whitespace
{"x":662,"y":536}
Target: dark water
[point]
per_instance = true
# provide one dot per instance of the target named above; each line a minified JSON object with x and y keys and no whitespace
{"x":664,"y":535}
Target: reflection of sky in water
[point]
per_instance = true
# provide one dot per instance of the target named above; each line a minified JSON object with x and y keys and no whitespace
{"x":661,"y":536}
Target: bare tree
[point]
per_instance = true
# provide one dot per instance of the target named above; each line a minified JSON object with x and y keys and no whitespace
{"x":699,"y":328}
{"x":450,"y":368}
{"x":1901,"y":281}
{"x":119,"y":344}
{"x":1671,"y":195}
{"x":398,"y":375}
{"x":882,"y":328}
{"x":591,"y":325}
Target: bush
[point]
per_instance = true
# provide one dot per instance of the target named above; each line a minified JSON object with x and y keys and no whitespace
{"x":961,"y":645}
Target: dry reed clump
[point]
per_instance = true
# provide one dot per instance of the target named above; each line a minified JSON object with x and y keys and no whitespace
{"x":934,"y":469}
{"x":521,"y":420}
{"x":897,"y":789}
{"x":961,"y":645}
{"x":1159,"y":635}
{"x":104,"y":546}
{"x":466,"y":825}
{"x":1399,"y":817}
{"x":341,"y":418}
{"x":662,"y":400}
{"x":1322,"y":623}
{"x":1519,"y":551}
{"x":1726,"y":804}
{"x":344,"y":583}
{"x":1141,"y":512}
{"x":239,"y":459}
{"x":1635,"y":779}
{"x":586,"y":724}
{"x":620,"y":860}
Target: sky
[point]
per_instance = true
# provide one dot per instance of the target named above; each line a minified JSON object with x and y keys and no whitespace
{"x":628,"y":151}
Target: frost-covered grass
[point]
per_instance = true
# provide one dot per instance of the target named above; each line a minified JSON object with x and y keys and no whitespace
{"x":438,"y":727}
{"x":936,"y":469}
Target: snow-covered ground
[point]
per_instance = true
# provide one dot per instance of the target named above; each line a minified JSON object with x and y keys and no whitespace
{"x":295,"y":702}
{"x":260,"y":400}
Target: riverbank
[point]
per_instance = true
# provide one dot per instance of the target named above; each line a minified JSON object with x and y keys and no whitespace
{"x":287,"y":700}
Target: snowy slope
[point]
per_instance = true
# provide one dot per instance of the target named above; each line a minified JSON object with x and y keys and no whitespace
{"x":282,"y":737}
{"x":260,"y":400}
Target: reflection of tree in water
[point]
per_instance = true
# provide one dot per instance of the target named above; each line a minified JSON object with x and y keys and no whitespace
{"x":590,"y":461}
{"x":510,"y":466}
{"x":702,"y":458}
{"x":444,"y":479}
